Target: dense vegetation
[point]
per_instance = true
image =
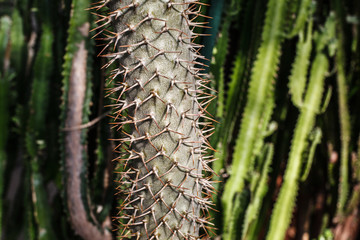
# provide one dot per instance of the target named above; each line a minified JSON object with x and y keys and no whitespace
{"x":287,"y":80}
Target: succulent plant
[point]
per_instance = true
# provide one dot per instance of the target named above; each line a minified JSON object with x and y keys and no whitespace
{"x":160,"y":98}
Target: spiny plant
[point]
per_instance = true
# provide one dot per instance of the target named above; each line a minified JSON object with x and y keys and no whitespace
{"x":288,"y":146}
{"x":257,"y":112}
{"x":309,"y":107}
{"x":75,"y":109}
{"x":159,"y":101}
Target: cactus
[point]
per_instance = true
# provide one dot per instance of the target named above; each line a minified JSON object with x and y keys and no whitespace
{"x":288,"y":192}
{"x":254,"y":119}
{"x":283,"y":141}
{"x":159,"y":100}
{"x":344,"y":115}
{"x":75,"y":110}
{"x":252,"y":212}
{"x":310,"y":107}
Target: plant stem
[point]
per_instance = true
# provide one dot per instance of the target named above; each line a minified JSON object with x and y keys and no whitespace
{"x":284,"y":205}
{"x":344,"y":116}
{"x":260,"y":84}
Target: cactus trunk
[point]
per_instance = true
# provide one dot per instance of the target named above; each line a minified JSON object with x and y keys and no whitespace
{"x":158,"y":104}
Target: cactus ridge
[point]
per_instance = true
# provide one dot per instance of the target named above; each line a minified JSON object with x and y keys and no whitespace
{"x":160,"y":100}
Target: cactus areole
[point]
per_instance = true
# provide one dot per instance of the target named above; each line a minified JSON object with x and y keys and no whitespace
{"x":160,"y":101}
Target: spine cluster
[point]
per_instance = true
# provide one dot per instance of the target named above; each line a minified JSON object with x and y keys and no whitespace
{"x":160,"y":99}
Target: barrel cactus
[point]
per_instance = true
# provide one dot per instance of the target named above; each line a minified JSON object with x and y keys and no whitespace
{"x":160,"y":99}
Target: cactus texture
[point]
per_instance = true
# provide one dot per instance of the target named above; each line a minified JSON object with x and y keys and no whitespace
{"x":159,"y":99}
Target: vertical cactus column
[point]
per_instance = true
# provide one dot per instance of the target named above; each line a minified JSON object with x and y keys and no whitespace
{"x":158,"y":104}
{"x":75,"y":108}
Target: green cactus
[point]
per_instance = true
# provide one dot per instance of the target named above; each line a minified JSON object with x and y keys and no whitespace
{"x":344,"y":115}
{"x":76,"y":110}
{"x":159,"y":99}
{"x":286,"y":200}
{"x":310,"y":107}
{"x":257,"y":111}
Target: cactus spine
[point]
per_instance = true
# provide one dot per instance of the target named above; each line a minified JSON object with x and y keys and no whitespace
{"x":159,"y":100}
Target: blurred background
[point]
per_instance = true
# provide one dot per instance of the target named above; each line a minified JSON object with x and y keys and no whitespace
{"x":287,"y":80}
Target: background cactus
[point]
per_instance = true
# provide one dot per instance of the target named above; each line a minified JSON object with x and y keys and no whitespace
{"x":302,"y":131}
